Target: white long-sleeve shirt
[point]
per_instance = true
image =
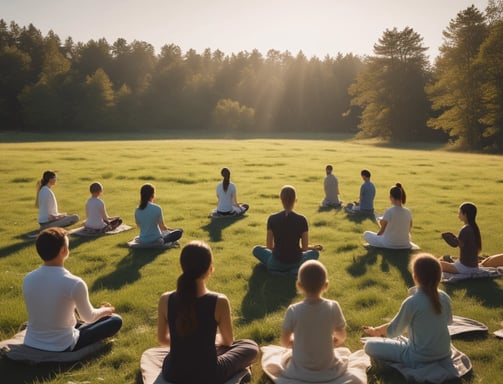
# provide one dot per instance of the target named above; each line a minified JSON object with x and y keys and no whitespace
{"x":51,"y":295}
{"x":47,"y":204}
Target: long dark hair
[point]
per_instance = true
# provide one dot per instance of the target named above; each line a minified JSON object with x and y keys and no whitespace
{"x":46,"y":177}
{"x":428,"y":272}
{"x":146,"y":193}
{"x":398,"y":193}
{"x":195,"y":260}
{"x":470,"y":210}
{"x":226,"y":173}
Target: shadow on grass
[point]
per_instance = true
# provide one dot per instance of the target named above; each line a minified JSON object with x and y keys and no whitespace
{"x":397,"y":258}
{"x":128,"y":269}
{"x":266,"y":293}
{"x":323,"y":208}
{"x":391,"y":375}
{"x":361,"y":217}
{"x":28,"y":240}
{"x":17,"y":372}
{"x":13,"y":248}
{"x":216,"y":226}
{"x":485,"y":291}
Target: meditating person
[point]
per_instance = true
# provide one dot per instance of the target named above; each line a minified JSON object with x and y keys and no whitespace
{"x":331,"y":187}
{"x":97,"y":216}
{"x":468,"y":240}
{"x":424,"y":316}
{"x":365,"y":204}
{"x":227,"y":197}
{"x":52,"y":295}
{"x":48,"y":215}
{"x":285,"y":229}
{"x":312,"y":329}
{"x":395,"y":225}
{"x":150,"y":219}
{"x":196,"y":324}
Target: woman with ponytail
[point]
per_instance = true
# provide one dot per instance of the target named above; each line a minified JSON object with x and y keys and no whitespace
{"x":468,"y":241}
{"x":424,"y":315}
{"x":48,"y":215}
{"x":395,"y":225}
{"x":227,"y":197}
{"x":150,"y":219}
{"x":188,"y":321}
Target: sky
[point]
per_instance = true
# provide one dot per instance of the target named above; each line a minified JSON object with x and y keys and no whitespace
{"x":317,"y":27}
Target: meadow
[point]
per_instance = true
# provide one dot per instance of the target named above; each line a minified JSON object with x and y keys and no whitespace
{"x":369,"y":284}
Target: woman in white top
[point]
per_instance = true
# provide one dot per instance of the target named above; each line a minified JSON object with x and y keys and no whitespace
{"x":395,"y":225}
{"x":48,"y":215}
{"x":227,"y":197}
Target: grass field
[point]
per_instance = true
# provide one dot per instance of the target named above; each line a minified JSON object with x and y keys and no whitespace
{"x":369,"y":285}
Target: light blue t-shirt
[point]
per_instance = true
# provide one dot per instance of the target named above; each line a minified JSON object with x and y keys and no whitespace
{"x":367,"y":195}
{"x":427,"y":331}
{"x":147,"y":219}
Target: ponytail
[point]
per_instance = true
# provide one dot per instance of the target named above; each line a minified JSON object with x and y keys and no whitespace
{"x":146,"y":193}
{"x":427,"y":271}
{"x":186,"y":295}
{"x":46,"y":177}
{"x":196,"y":260}
{"x":226,"y":173}
{"x":470,"y":210}
{"x":398,"y":193}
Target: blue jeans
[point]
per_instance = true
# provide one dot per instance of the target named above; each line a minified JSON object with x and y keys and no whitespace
{"x":265,"y":256}
{"x":99,"y":330}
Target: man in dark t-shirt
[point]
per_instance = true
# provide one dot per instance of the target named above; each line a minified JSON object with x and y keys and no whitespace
{"x":287,"y":243}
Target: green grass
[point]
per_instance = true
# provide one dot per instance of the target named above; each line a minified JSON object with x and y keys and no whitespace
{"x":369,"y":285}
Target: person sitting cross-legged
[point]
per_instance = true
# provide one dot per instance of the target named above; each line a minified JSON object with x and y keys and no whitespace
{"x":52,"y":294}
{"x":285,"y":230}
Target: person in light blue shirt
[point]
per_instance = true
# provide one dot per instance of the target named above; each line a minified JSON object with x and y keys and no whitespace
{"x":424,"y":315}
{"x":367,"y":193}
{"x":365,"y":204}
{"x":149,"y":218}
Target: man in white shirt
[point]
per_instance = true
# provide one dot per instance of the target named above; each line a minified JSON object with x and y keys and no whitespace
{"x":52,"y":294}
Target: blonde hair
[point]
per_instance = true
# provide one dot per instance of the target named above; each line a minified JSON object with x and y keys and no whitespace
{"x":288,"y":196}
{"x":312,"y":277}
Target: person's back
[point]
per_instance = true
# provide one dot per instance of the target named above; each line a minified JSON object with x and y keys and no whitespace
{"x":287,"y":228}
{"x":397,"y":233}
{"x":313,"y":324}
{"x":52,"y":295}
{"x":188,"y":319}
{"x":428,"y":332}
{"x":194,"y":350}
{"x":313,"y":328}
{"x":225,"y":197}
{"x":147,"y":219}
{"x":367,"y":195}
{"x":422,"y":319}
{"x":48,"y":293}
{"x":331,"y":189}
{"x":95,"y":208}
{"x":468,"y":253}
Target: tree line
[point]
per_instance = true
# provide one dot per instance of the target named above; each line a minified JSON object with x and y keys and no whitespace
{"x":394,"y":94}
